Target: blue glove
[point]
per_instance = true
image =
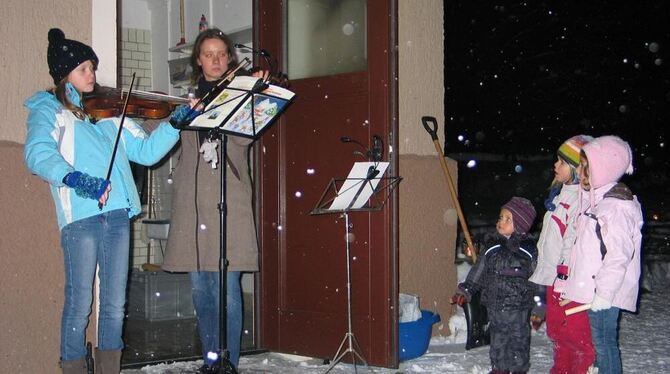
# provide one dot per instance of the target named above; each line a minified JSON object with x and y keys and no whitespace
{"x":183,"y":114}
{"x":85,"y":185}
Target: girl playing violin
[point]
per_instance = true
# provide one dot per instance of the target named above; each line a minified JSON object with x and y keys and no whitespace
{"x":193,"y":241}
{"x":70,"y":153}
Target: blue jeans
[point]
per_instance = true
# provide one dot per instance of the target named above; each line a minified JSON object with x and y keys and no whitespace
{"x":604,"y":331}
{"x":102,"y":240}
{"x":206,"y":302}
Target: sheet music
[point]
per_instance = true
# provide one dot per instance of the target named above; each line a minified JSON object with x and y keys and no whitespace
{"x":359,"y":185}
{"x":233,"y":106}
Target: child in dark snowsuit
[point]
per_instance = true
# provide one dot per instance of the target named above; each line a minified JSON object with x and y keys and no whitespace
{"x":501,"y":275}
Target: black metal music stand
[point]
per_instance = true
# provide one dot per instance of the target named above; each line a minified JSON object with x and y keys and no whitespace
{"x":245,"y":101}
{"x":366,"y":193}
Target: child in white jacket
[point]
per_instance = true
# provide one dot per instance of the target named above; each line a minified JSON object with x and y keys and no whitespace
{"x":571,"y":335}
{"x":605,"y":260}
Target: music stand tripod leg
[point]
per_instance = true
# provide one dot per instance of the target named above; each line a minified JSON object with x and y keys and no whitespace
{"x":355,"y":349}
{"x":349,"y":335}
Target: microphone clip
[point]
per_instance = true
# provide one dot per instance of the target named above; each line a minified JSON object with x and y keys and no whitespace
{"x":260,"y":52}
{"x":376,"y":153}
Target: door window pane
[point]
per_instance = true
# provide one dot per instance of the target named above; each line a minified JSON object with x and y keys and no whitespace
{"x":326,"y":37}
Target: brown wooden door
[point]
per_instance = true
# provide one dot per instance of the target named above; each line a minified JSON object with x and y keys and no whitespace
{"x":303,"y":260}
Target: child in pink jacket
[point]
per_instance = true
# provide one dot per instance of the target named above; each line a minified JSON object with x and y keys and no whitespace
{"x":605,"y":259}
{"x":571,"y":335}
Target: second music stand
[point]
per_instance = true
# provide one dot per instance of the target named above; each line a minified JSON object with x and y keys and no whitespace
{"x":364,"y":190}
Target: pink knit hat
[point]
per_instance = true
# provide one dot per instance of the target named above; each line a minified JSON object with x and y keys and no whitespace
{"x":609,"y":158}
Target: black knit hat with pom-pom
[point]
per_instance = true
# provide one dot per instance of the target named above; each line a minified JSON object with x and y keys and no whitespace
{"x":64,"y":55}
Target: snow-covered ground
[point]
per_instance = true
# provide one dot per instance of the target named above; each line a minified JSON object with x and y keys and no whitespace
{"x":644,"y":340}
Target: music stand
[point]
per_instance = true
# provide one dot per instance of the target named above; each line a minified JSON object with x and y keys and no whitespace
{"x":234,"y":112}
{"x":363,"y":190}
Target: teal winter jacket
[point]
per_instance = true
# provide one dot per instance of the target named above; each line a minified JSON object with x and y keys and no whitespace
{"x":58,"y":143}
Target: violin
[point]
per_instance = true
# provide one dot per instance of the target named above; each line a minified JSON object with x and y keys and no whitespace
{"x":105,"y":102}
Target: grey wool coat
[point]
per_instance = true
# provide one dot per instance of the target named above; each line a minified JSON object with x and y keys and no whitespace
{"x":183,"y":252}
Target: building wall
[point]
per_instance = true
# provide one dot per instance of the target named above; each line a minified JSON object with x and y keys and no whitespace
{"x":31,"y":272}
{"x":428,"y":219}
{"x":23,"y":35}
{"x":420,"y":73}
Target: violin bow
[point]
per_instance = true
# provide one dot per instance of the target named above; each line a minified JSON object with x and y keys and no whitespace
{"x":229,"y":77}
{"x":118,"y":134}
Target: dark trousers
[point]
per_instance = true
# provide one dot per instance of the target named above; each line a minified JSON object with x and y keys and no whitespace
{"x":510,"y":340}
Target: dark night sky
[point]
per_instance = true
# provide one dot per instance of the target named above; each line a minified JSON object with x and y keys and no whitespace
{"x":521,"y":77}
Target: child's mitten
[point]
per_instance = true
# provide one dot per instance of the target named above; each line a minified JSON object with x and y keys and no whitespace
{"x":599,"y":303}
{"x":85,"y":185}
{"x":561,"y":278}
{"x":182,"y":115}
{"x":208,"y":150}
{"x":459,"y":299}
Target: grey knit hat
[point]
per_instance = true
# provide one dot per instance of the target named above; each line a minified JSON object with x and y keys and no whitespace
{"x":523,"y":213}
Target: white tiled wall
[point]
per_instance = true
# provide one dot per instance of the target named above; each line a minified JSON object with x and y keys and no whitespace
{"x":135,"y":57}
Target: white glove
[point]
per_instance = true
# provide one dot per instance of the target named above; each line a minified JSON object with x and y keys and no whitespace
{"x":599,"y":303}
{"x":208,"y":150}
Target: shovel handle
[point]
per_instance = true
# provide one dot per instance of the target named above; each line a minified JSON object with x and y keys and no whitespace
{"x":426,"y":120}
{"x":577,"y":309}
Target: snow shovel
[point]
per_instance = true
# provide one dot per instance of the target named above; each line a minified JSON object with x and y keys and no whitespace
{"x":452,"y":189}
{"x":475,"y":314}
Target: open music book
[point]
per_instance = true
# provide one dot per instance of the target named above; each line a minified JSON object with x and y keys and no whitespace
{"x":232,"y":111}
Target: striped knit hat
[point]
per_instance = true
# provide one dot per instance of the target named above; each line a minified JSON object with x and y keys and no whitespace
{"x":569,"y":150}
{"x":523,"y":213}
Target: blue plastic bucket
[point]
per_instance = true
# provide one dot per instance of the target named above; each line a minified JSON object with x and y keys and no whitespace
{"x":415,"y":336}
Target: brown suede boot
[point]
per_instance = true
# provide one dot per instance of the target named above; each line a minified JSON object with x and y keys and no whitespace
{"x":107,"y":362}
{"x":74,"y":366}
